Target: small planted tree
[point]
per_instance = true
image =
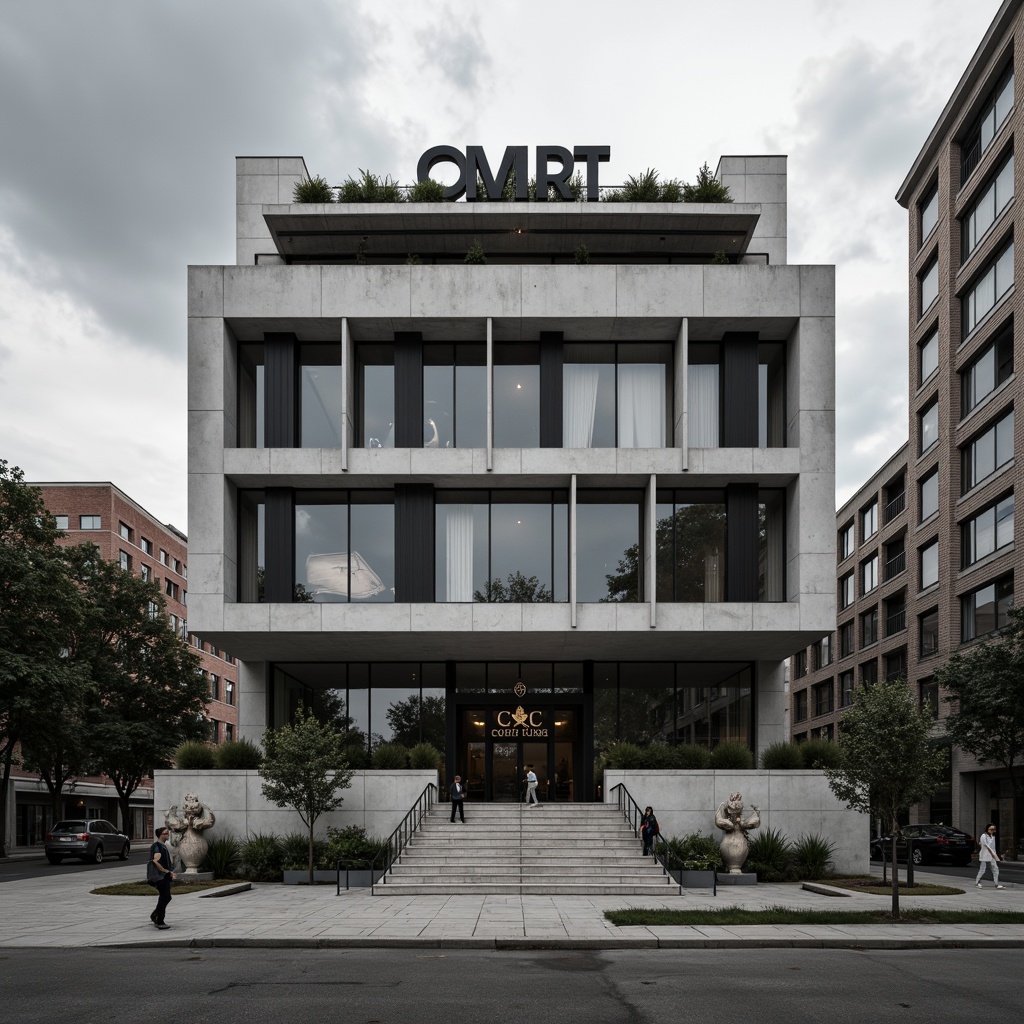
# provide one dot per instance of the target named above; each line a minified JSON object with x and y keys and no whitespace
{"x":888,"y":763}
{"x":304,"y":768}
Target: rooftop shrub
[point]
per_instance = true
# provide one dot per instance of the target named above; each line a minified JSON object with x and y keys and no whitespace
{"x":313,"y":190}
{"x":370,"y":188}
{"x":706,"y":189}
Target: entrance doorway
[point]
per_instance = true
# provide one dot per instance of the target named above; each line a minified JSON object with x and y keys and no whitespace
{"x":494,"y":756}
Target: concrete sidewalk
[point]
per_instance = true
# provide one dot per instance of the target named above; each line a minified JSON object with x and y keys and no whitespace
{"x":59,"y":911}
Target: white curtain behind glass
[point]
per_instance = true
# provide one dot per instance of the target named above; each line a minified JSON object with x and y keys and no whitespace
{"x":579,"y":401}
{"x":702,"y":401}
{"x":459,"y":542}
{"x":641,"y":405}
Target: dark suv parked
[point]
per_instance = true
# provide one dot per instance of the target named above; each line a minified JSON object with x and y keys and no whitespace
{"x":88,"y":838}
{"x":932,"y":844}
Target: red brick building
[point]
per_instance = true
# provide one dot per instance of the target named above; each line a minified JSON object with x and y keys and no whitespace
{"x":124,"y":532}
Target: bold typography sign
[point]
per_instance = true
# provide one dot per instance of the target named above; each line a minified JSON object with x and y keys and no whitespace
{"x":473,"y":166}
{"x":520,"y":724}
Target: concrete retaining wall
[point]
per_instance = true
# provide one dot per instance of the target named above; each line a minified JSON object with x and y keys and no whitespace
{"x":376,"y":800}
{"x":795,"y":802}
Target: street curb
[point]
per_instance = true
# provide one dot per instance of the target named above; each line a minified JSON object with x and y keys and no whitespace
{"x":366,"y":942}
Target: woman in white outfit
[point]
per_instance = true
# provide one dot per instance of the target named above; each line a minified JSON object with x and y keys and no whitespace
{"x":987,"y":856}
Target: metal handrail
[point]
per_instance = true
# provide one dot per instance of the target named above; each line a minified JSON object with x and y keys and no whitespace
{"x":894,"y":508}
{"x":895,"y":565}
{"x":896,"y":623}
{"x":399,"y":839}
{"x":632,"y":813}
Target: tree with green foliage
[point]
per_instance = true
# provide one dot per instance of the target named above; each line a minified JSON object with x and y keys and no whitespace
{"x":984,"y":688}
{"x":149,"y":695}
{"x":304,"y":767}
{"x":404,"y":717}
{"x":313,"y":190}
{"x":706,"y":189}
{"x":40,"y":608}
{"x":519,"y":589}
{"x":888,"y":761}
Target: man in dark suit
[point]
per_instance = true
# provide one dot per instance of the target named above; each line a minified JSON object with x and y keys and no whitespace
{"x":458,"y":793}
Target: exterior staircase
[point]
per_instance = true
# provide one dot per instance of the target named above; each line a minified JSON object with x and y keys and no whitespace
{"x":554,"y":849}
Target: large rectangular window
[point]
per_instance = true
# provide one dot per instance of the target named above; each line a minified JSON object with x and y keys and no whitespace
{"x":501,"y":546}
{"x":375,"y":371}
{"x":703,"y":398}
{"x":846,"y":638}
{"x":846,"y":541}
{"x":454,"y":396}
{"x":930,"y":495}
{"x":609,"y":556}
{"x":929,"y":632}
{"x":320,"y":396}
{"x":847,"y":590}
{"x":344,"y":547}
{"x":991,"y":285}
{"x":988,"y":531}
{"x":823,"y":652}
{"x":823,"y":698}
{"x":985,"y":373}
{"x":987,"y":609}
{"x":929,"y":212}
{"x":869,"y":521}
{"x":846,"y":688}
{"x":690,"y":538}
{"x":928,"y":285}
{"x":987,"y":452}
{"x":929,"y":425}
{"x":929,"y":555}
{"x":869,"y":574}
{"x":517,"y":396}
{"x":869,"y":628}
{"x":615,"y":395}
{"x":983,"y":130}
{"x":928,"y":357}
{"x":986,"y":209}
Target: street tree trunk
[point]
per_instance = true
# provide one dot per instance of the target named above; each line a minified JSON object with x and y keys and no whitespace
{"x":895,"y":877}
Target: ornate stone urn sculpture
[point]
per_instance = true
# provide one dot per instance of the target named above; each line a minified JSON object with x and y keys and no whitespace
{"x":735,"y":845}
{"x":187,"y":828}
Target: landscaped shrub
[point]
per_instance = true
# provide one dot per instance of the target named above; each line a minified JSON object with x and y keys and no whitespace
{"x":194,"y":756}
{"x":821,"y":754}
{"x":295,"y":852}
{"x":475,"y":254}
{"x":238,"y":754}
{"x":425,"y":756}
{"x":355,"y":753}
{"x":624,"y":755}
{"x":428,"y":191}
{"x":353,"y":846}
{"x":706,"y":189}
{"x":223,"y":857}
{"x":691,"y":756}
{"x":732,"y":755}
{"x":313,"y":190}
{"x":812,"y":856}
{"x":646,"y":188}
{"x":770,"y":857}
{"x":657,"y":756}
{"x":389,"y":756}
{"x":782,"y":756}
{"x":692,"y":852}
{"x":369,"y":188}
{"x":261,"y":858}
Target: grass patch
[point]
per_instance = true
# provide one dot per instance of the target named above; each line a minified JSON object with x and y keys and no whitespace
{"x":875,"y":887}
{"x":144,"y":889}
{"x":784,"y":915}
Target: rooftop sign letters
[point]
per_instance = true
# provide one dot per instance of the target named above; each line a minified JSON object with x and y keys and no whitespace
{"x":473,"y":164}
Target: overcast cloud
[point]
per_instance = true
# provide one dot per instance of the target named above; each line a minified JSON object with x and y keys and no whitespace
{"x":121,"y":120}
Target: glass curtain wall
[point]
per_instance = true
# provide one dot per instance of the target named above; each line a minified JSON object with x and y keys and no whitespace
{"x":771,"y":395}
{"x":609,"y":555}
{"x":771,"y":565}
{"x":704,"y":401}
{"x":251,"y":546}
{"x":375,"y":370}
{"x":615,"y":395}
{"x":690,"y":550}
{"x":516,"y":396}
{"x":504,"y":546}
{"x":454,"y":396}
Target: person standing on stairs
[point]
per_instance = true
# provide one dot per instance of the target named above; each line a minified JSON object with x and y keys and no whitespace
{"x":458,"y":795}
{"x":649,"y":830}
{"x":531,"y":787}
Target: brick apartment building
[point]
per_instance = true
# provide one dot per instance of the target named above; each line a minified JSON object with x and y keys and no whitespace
{"x":926,"y":556}
{"x":124,"y":532}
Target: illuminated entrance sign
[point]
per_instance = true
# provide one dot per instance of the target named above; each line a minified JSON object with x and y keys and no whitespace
{"x":474,"y":164}
{"x":519,"y":724}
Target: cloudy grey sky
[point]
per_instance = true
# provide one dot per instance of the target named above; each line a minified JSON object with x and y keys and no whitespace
{"x":120,"y":122}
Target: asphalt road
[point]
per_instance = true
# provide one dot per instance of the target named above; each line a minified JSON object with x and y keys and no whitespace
{"x":14,"y":868}
{"x":380,"y":986}
{"x":1012,"y":872}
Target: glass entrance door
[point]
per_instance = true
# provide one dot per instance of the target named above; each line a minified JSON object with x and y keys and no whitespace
{"x":505,"y":771}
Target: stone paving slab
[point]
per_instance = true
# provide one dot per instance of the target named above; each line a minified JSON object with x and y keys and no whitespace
{"x":59,"y":911}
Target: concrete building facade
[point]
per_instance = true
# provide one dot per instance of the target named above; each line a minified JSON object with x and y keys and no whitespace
{"x":520,"y":510}
{"x":948,"y":555}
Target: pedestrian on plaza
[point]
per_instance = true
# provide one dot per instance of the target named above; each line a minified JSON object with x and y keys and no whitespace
{"x":531,"y":787}
{"x":649,"y":828}
{"x":159,"y":875}
{"x":987,"y":856}
{"x":458,"y":795}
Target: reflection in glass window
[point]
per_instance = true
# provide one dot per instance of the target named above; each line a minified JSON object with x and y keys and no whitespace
{"x":690,"y":546}
{"x":928,"y":283}
{"x":988,"y":531}
{"x":986,"y":453}
{"x":929,"y":356}
{"x":501,"y":546}
{"x":988,"y":371}
{"x":846,"y":541}
{"x":930,"y":495}
{"x":703,"y":397}
{"x":987,"y":208}
{"x":930,"y":565}
{"x":771,"y":395}
{"x":516,"y":396}
{"x":929,"y":421}
{"x":344,"y":552}
{"x":614,"y":395}
{"x":771,"y":553}
{"x":980,"y":135}
{"x":929,"y":208}
{"x":608,"y":556}
{"x":986,"y":609}
{"x":376,"y":375}
{"x":454,"y":396}
{"x":320,"y":396}
{"x":990,"y":287}
{"x":251,"y":534}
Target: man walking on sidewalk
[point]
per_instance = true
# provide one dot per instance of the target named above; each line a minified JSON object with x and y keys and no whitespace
{"x":987,"y":856}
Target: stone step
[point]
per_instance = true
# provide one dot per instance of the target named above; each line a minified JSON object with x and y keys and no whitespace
{"x":396,"y":888}
{"x":552,"y":868}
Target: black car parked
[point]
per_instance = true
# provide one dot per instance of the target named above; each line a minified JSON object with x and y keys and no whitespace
{"x":88,"y":838}
{"x":933,"y":844}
